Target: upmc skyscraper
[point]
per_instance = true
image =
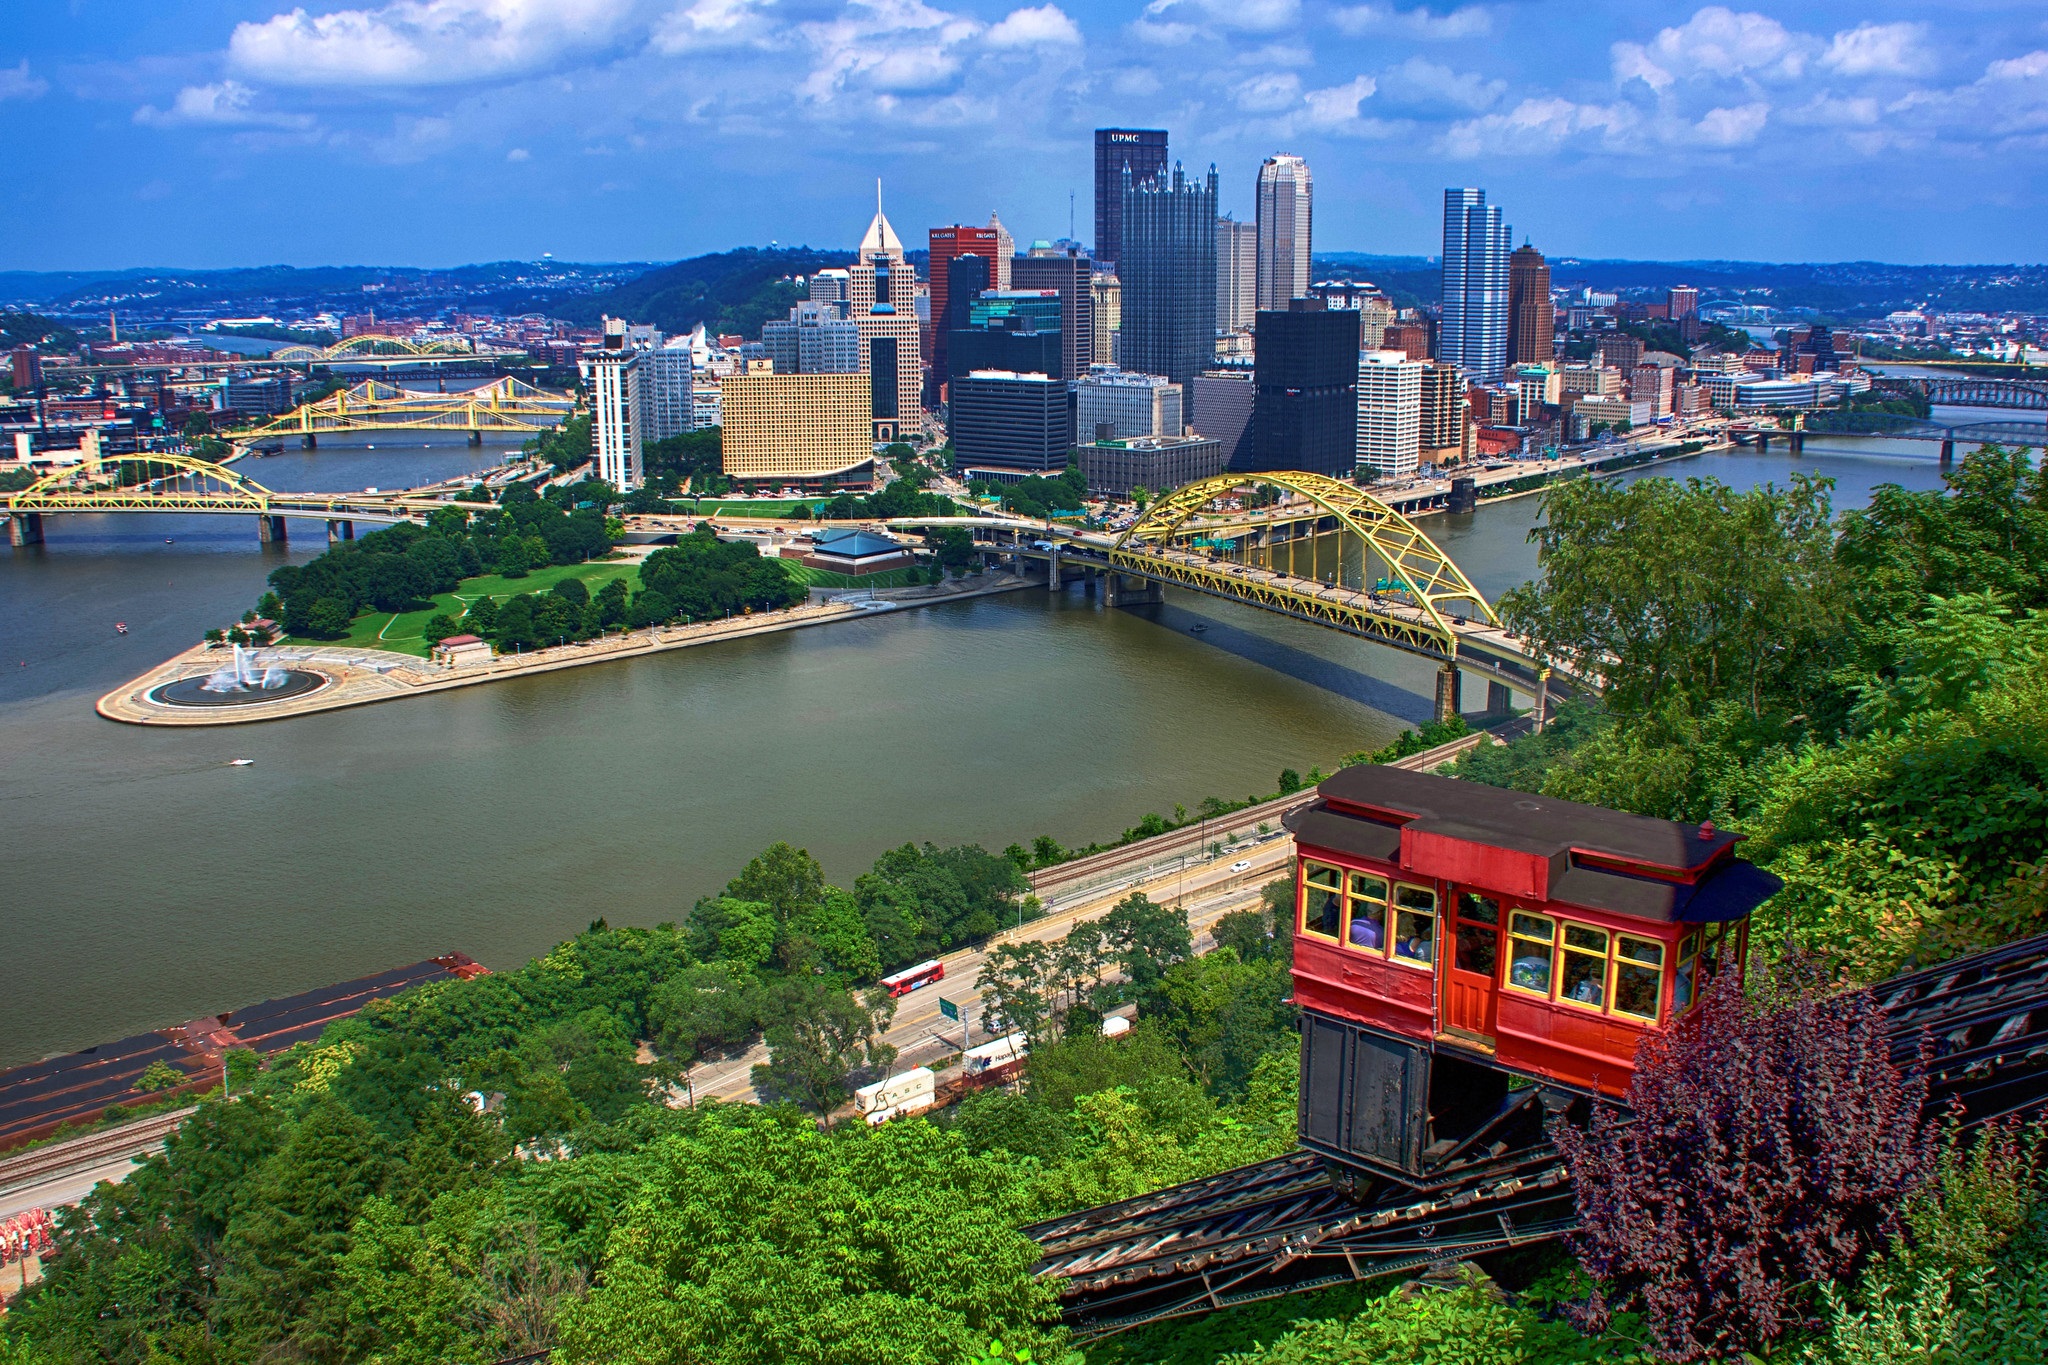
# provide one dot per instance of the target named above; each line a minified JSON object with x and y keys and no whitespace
{"x":1143,"y":151}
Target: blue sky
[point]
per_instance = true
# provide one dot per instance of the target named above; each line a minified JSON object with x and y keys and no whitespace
{"x":238,"y":132}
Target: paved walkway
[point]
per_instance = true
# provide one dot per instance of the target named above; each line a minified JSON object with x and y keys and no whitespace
{"x":358,"y":676}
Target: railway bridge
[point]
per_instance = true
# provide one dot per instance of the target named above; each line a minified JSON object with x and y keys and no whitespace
{"x":1328,"y":553}
{"x":1900,"y":427}
{"x":1966,"y":390}
{"x":184,"y":484}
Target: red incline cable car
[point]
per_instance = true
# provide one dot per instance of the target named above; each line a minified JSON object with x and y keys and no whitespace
{"x":1451,"y":937}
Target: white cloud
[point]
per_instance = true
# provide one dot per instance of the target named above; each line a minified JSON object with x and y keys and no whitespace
{"x":1471,"y":21}
{"x":17,"y":84}
{"x":423,"y":42}
{"x":1337,"y":105}
{"x":1422,"y":82}
{"x":519,"y":154}
{"x":2033,"y":66}
{"x":1044,"y":25}
{"x":1732,"y":127}
{"x":1830,"y":111}
{"x":703,"y":24}
{"x":1539,"y":125}
{"x":1270,"y":93}
{"x":228,"y":104}
{"x":1178,"y":20}
{"x":1715,"y":42}
{"x":892,"y":47}
{"x":1879,"y":50}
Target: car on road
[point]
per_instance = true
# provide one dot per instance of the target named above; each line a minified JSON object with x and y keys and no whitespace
{"x":1241,"y":865}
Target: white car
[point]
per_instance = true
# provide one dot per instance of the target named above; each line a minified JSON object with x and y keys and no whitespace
{"x":1241,"y":865}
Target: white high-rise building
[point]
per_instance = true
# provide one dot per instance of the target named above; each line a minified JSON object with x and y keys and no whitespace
{"x":614,"y":377}
{"x":666,"y":405}
{"x":1285,"y":202}
{"x":1389,"y":412}
{"x":1006,"y":251}
{"x":1237,"y":275}
{"x":1474,"y":330}
{"x":1126,"y":404}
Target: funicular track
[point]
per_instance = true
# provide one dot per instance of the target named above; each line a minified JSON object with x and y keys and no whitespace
{"x":1978,"y":1026}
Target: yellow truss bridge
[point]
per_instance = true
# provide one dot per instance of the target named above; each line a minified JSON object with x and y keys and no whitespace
{"x":506,"y":406}
{"x":157,"y":482}
{"x":371,"y":347}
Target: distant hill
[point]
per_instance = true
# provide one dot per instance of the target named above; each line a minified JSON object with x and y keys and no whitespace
{"x":727,"y":291}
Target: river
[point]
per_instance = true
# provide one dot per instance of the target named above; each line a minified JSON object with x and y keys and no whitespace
{"x":146,"y":881}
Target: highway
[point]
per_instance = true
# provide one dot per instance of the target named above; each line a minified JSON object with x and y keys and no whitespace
{"x":1208,"y":889}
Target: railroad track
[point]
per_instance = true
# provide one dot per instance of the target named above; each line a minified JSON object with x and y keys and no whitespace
{"x":42,"y":1163}
{"x":1977,"y":1027}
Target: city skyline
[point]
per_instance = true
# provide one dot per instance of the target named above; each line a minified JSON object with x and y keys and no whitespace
{"x":468,"y":130}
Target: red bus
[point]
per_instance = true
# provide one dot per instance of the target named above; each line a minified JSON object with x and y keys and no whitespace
{"x":910,"y":978}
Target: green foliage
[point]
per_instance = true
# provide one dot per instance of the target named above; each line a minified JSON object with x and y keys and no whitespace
{"x":728,"y":291}
{"x":160,"y":1075}
{"x":1037,"y":496}
{"x":701,"y":577}
{"x":1413,"y":742}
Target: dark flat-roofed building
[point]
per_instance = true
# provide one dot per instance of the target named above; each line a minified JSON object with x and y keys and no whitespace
{"x":1114,"y":467}
{"x":1306,"y":414}
{"x":1006,"y":420}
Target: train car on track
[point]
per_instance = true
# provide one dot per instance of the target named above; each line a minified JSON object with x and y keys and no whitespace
{"x":1456,"y":942}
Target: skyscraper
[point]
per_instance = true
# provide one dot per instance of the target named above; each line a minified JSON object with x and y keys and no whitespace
{"x":1169,"y":275}
{"x":1389,"y":413}
{"x":1285,"y":195}
{"x":614,"y":374}
{"x":1107,"y":292}
{"x":816,"y":338}
{"x":882,"y":289}
{"x":1305,"y":407}
{"x":1681,"y":301}
{"x":667,"y":403}
{"x":1237,"y":274}
{"x":1067,"y":273}
{"x":1532,"y":321}
{"x":1142,"y":152}
{"x":1010,"y":329}
{"x":1474,"y":332}
{"x":948,"y":243}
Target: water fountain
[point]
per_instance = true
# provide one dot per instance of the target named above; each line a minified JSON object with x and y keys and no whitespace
{"x":246,"y":680}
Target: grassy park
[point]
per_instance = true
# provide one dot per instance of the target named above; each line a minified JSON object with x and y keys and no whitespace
{"x":400,"y":633}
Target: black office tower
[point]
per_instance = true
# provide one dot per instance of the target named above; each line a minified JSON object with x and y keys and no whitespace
{"x":966,"y":277}
{"x":1142,"y":151}
{"x":1305,"y":405}
{"x":1069,"y":273}
{"x":1168,"y":272}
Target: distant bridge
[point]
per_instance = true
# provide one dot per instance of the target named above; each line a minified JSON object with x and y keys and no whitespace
{"x":1969,"y":391}
{"x":183,"y":484}
{"x":1900,"y":427}
{"x":507,"y":406}
{"x":1330,"y":554}
{"x":369,"y":346}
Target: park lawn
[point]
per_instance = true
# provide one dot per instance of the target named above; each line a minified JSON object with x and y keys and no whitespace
{"x":731,"y":507}
{"x":827,"y":578}
{"x":401,"y":633}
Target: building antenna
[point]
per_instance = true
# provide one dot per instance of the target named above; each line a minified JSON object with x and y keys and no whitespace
{"x":878,"y":196}
{"x":1070,"y":215}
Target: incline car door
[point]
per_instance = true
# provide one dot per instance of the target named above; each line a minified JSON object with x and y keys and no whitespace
{"x":1472,"y":974}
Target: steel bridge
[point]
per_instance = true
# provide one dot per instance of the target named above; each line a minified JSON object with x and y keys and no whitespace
{"x":1901,"y":427}
{"x":507,"y":406}
{"x":371,"y":346}
{"x":180,"y":483}
{"x":1328,"y":553}
{"x":1971,"y":391}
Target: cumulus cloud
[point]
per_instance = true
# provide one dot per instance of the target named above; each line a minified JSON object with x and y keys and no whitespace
{"x":706,"y":24}
{"x":228,"y":104}
{"x":1471,"y":21}
{"x":423,"y":42}
{"x":1716,"y":41}
{"x":1336,"y":106}
{"x":1879,"y":50}
{"x":1270,"y":93}
{"x":1043,"y":26}
{"x":1425,"y":84}
{"x":16,"y":83}
{"x":1177,"y":21}
{"x":1539,"y":125}
{"x":1732,"y":127}
{"x":519,"y":154}
{"x":1832,"y":111}
{"x":890,"y":47}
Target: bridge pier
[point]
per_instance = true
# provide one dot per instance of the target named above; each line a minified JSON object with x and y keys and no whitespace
{"x":476,"y":437}
{"x":1763,"y":444}
{"x":1499,"y":699}
{"x":270,"y":529}
{"x":1450,"y":690}
{"x":309,"y":442}
{"x":25,"y":528}
{"x":1798,"y":439}
{"x":340,"y":530}
{"x":1052,"y":571}
{"x":1948,"y":451}
{"x":1121,"y":589}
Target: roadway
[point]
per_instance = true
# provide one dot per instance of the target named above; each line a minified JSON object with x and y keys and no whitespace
{"x":1208,"y":889}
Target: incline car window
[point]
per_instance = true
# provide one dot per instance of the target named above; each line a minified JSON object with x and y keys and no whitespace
{"x":1322,"y":900}
{"x":1531,"y":947}
{"x":1478,"y":934}
{"x":1414,"y":925}
{"x":1368,"y":905}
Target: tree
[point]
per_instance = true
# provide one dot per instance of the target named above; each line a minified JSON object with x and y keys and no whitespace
{"x":160,"y":1075}
{"x":330,"y":617}
{"x":819,"y":1038}
{"x":1146,"y":939}
{"x":1684,"y":594}
{"x":440,"y":626}
{"x":1290,"y":781}
{"x":787,"y":880}
{"x":1770,"y":1144}
{"x":1016,"y":994}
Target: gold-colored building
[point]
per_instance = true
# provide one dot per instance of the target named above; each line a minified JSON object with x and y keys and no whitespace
{"x":798,"y":428}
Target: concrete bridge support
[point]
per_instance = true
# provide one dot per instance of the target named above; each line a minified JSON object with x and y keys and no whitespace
{"x":1763,"y":444}
{"x":1450,"y":689}
{"x":476,"y":438}
{"x":1129,"y":590}
{"x":25,"y":528}
{"x":270,"y":529}
{"x":309,"y":441}
{"x":1948,"y":451}
{"x":1798,"y":439}
{"x":1499,"y":699}
{"x":340,"y":530}
{"x":1052,"y":571}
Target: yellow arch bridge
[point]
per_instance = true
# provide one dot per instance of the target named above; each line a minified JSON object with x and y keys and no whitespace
{"x":373,"y":347}
{"x":1327,"y":553}
{"x":506,"y":406}
{"x":180,"y":483}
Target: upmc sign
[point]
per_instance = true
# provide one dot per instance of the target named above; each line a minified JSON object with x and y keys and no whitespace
{"x":1123,"y":137}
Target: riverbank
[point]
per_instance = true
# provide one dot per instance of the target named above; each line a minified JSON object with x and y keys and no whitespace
{"x":356,"y":676}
